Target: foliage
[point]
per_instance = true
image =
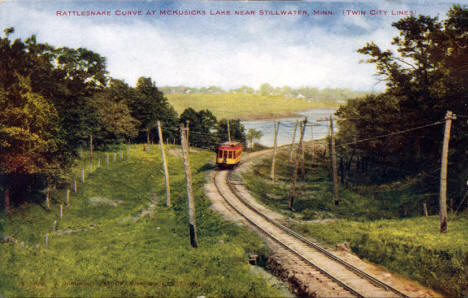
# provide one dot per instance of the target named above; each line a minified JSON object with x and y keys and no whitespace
{"x":253,"y":134}
{"x":123,"y":256}
{"x":53,"y":100}
{"x":148,"y":106}
{"x":237,"y":131}
{"x":411,"y":247}
{"x":201,"y":126}
{"x":425,"y":77}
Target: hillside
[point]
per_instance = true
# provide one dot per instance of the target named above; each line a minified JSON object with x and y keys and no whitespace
{"x":107,"y":243}
{"x":243,"y":106}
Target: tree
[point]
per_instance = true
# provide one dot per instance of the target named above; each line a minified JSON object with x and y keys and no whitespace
{"x":253,"y":134}
{"x":201,"y":126}
{"x":425,"y":77}
{"x":149,"y":106}
{"x":237,"y":131}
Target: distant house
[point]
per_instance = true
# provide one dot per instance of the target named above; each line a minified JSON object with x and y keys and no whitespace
{"x":300,"y":96}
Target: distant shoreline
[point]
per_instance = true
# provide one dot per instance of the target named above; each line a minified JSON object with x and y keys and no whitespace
{"x":268,"y":116}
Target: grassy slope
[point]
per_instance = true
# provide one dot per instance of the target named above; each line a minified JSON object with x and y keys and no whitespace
{"x":233,"y":106}
{"x":105,"y":260}
{"x":410,"y":246}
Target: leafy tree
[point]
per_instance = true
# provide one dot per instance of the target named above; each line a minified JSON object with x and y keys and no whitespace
{"x":237,"y":131}
{"x":425,"y":77}
{"x":148,"y":106}
{"x":29,"y":138}
{"x":265,"y":89}
{"x":253,"y":134}
{"x":201,"y":126}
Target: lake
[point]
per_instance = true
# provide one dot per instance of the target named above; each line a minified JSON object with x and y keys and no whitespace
{"x":286,"y":128}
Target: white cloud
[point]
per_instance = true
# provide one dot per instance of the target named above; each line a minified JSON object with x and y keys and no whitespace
{"x":251,"y":52}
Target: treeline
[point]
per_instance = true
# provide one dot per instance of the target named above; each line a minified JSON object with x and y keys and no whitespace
{"x":399,"y":133}
{"x":55,"y":100}
{"x":338,"y":95}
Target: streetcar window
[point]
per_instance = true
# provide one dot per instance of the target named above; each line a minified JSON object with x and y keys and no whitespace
{"x":230,"y":154}
{"x":220,"y":153}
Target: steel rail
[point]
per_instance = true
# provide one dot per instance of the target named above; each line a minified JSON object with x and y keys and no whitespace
{"x":330,"y":255}
{"x":251,"y":221}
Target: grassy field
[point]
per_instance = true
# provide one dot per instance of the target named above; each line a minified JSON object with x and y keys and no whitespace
{"x":375,"y":228}
{"x":104,"y":247}
{"x":241,"y":106}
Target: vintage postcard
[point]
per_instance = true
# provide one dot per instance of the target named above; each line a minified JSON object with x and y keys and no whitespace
{"x":233,"y":148}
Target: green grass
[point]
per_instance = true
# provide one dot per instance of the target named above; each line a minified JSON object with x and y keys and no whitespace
{"x":375,"y":228}
{"x":124,"y":257}
{"x":234,"y":106}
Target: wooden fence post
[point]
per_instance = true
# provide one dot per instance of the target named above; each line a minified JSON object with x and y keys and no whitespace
{"x":61,"y":211}
{"x":68,"y":197}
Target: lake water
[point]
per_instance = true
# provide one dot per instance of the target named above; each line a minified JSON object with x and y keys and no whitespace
{"x":314,"y":129}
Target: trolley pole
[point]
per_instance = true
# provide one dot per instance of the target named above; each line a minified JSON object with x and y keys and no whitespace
{"x":229,"y":131}
{"x":190,"y":199}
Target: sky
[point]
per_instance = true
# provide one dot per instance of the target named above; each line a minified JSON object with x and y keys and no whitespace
{"x":206,"y":49}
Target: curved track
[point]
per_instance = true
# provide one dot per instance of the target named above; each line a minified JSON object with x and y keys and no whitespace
{"x":347,"y":277}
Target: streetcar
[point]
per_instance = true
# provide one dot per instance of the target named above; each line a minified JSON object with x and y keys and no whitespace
{"x":228,"y":154}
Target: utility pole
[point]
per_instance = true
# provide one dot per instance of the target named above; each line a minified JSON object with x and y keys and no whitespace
{"x":443,"y":172}
{"x":91,"y":146}
{"x":190,"y":199}
{"x":296,"y":166}
{"x":166,"y":172}
{"x":229,"y":131}
{"x":188,"y":133}
{"x":292,"y":142}
{"x":302,"y":155}
{"x":273,"y":163}
{"x":333,"y":161}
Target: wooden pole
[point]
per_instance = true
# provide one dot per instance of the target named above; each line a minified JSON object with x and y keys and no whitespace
{"x":296,"y":166}
{"x":48,"y":197}
{"x":273,"y":163}
{"x":74,"y":185}
{"x":98,"y":163}
{"x":188,"y":133}
{"x":292,"y":142}
{"x":443,"y":172}
{"x":425,"y":209}
{"x":91,"y":146}
{"x":302,"y":154}
{"x":229,"y":131}
{"x":82,"y":175}
{"x":61,"y":211}
{"x":121,"y":155}
{"x":190,"y":199}
{"x":333,"y":161}
{"x":68,"y":197}
{"x":166,"y":171}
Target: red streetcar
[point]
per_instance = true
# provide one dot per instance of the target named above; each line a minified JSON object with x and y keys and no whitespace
{"x":228,"y":154}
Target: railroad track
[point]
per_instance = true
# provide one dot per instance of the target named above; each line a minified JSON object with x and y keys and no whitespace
{"x":346,"y":276}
